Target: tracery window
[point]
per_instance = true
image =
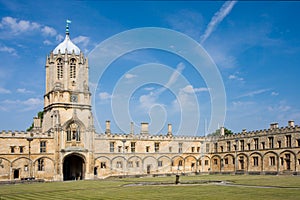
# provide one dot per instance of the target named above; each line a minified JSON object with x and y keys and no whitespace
{"x":73,"y":132}
{"x":59,"y":68}
{"x":73,"y":68}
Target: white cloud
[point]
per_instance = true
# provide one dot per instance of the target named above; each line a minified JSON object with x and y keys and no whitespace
{"x":13,"y":26}
{"x":190,"y":89}
{"x":49,"y":31}
{"x":47,"y":42}
{"x":147,"y":101}
{"x":19,"y":26}
{"x":59,"y":38}
{"x":24,"y":91}
{"x":8,"y":50}
{"x":217,"y":18}
{"x":4,"y":91}
{"x":149,"y":88}
{"x":81,"y":40}
{"x":130,"y":76}
{"x":184,"y":101}
{"x":104,"y":95}
{"x":274,"y":94}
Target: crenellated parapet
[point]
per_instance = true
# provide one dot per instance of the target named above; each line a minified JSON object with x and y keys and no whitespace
{"x":272,"y":131}
{"x":117,"y":136}
{"x":25,"y":134}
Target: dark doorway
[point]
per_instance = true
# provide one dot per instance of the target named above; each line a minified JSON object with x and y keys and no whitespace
{"x":148,"y":169}
{"x":242,"y":164}
{"x":288,"y":161}
{"x":73,"y":168}
{"x":16,"y":173}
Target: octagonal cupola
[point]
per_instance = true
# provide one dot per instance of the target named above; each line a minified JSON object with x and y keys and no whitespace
{"x":67,"y":46}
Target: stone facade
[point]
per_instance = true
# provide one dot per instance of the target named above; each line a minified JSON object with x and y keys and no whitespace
{"x":65,"y":146}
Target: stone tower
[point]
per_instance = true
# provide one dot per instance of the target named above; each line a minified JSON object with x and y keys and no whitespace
{"x":67,"y":110}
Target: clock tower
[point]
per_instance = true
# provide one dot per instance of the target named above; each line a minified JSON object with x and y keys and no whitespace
{"x":67,"y":110}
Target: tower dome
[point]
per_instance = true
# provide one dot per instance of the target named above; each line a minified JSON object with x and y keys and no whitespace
{"x":67,"y":44}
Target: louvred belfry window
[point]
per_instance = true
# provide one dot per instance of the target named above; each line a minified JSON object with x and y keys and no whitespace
{"x":59,"y":69}
{"x":73,"y":68}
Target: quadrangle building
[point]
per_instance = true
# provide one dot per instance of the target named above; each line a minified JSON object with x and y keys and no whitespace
{"x":65,"y":146}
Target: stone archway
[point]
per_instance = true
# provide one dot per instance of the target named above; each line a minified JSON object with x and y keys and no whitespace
{"x":73,"y":167}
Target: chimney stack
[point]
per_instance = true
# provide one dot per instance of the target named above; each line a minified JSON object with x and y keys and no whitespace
{"x":273,"y":125}
{"x":170,"y":130}
{"x":36,"y":122}
{"x":144,"y":128}
{"x":291,"y":123}
{"x":222,"y":131}
{"x":132,"y":128}
{"x":107,"y":125}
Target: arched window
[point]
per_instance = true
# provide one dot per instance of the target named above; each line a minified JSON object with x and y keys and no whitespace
{"x":73,"y":132}
{"x":73,"y":68}
{"x":59,"y":69}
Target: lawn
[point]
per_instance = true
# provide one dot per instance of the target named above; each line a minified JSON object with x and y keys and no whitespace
{"x":240,"y":187}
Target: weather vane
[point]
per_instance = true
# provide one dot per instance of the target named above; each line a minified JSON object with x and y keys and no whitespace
{"x":67,"y":26}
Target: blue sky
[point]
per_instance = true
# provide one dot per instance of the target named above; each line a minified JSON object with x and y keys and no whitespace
{"x":255,"y":46}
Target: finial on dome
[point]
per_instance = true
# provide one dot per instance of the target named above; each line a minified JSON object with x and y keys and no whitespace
{"x":67,"y":26}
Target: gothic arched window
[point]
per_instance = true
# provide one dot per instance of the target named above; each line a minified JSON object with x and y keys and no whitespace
{"x":59,"y":69}
{"x":73,"y":132}
{"x":73,"y":68}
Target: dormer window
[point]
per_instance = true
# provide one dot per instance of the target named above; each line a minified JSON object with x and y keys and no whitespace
{"x":59,"y":69}
{"x":73,"y":68}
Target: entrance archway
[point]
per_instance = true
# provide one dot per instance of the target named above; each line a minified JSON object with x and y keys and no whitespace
{"x":73,"y":167}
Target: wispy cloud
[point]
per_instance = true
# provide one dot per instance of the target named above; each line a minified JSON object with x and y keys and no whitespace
{"x":148,"y":100}
{"x":130,"y":76}
{"x":4,"y":91}
{"x":253,"y":93}
{"x":149,"y":88}
{"x":217,"y":18}
{"x":186,"y":21}
{"x":274,"y":94}
{"x":281,"y":107}
{"x":22,"y":105}
{"x":24,"y":91}
{"x":235,"y":77}
{"x":104,"y":95}
{"x":9,"y":50}
{"x":47,"y":42}
{"x":190,"y":89}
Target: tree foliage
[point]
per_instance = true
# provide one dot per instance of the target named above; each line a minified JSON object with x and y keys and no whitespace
{"x":218,"y":132}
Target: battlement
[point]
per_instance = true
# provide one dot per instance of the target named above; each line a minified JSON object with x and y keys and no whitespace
{"x":273,"y":130}
{"x":121,"y":136}
{"x":25,"y":134}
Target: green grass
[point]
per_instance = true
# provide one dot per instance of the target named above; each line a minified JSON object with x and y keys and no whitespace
{"x":285,"y":187}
